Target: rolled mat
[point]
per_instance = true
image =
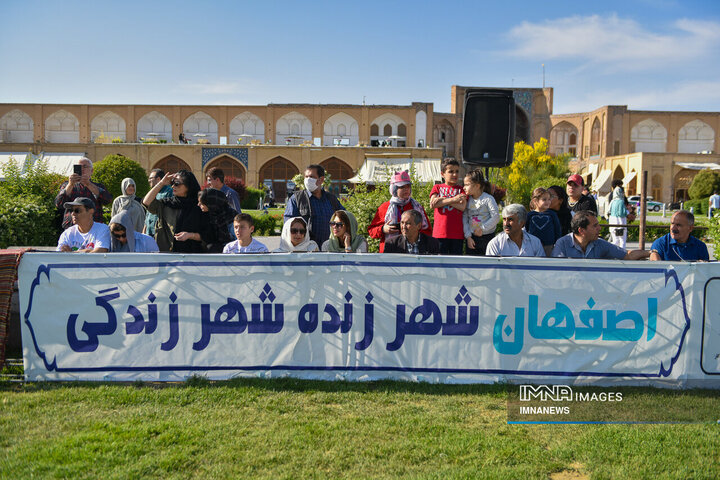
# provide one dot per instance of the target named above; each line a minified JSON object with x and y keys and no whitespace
{"x":9,"y":260}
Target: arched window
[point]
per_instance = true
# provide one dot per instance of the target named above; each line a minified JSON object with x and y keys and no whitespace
{"x":199,"y":126}
{"x":374,"y":130}
{"x":16,"y":126}
{"x":339,"y":172}
{"x":109,"y":124}
{"x":595,"y":138}
{"x":62,"y":127}
{"x":155,"y":123}
{"x":278,"y":171}
{"x":229,"y":166}
{"x":293,"y":124}
{"x":171,"y":164}
{"x":695,"y":137}
{"x":402,"y":130}
{"x":387,"y":130}
{"x":564,"y":139}
{"x":649,"y":136}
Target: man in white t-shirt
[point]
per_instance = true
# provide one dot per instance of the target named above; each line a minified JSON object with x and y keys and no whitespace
{"x":85,"y":235}
{"x":714,"y":203}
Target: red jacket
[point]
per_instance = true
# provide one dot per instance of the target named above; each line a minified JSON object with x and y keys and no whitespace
{"x":375,"y":230}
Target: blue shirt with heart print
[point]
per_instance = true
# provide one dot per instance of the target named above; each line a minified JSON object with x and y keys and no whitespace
{"x":544,"y":225}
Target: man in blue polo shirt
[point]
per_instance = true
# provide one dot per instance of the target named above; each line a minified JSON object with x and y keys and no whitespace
{"x":679,"y":245}
{"x":584,"y":241}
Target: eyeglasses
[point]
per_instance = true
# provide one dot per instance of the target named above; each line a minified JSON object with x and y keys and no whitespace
{"x":152,"y":178}
{"x":336,"y":224}
{"x":297,"y":231}
{"x":119,"y":235}
{"x":77,"y":210}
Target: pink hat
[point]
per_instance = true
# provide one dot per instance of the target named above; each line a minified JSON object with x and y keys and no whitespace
{"x":400,"y":178}
{"x":577,"y":179}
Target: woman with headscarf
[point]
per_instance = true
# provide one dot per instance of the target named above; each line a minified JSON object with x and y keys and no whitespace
{"x":181,"y":223}
{"x":128,"y":202}
{"x":386,"y":223}
{"x":343,"y":235}
{"x":124,"y":238}
{"x":559,"y":203}
{"x":618,"y":213}
{"x":295,"y":237}
{"x":219,"y":215}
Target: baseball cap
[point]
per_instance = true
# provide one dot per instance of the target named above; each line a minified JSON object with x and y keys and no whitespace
{"x":577,"y":179}
{"x":80,"y":202}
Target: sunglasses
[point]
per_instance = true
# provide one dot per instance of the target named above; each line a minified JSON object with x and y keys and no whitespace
{"x":336,"y":224}
{"x":298,"y":231}
{"x":77,"y":210}
{"x":119,"y":235}
{"x":176,"y":183}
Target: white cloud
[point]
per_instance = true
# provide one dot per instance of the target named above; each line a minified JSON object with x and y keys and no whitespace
{"x":613,"y":41}
{"x":687,"y":96}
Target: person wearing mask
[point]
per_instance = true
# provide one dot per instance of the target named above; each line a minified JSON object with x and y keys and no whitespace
{"x":314,"y":204}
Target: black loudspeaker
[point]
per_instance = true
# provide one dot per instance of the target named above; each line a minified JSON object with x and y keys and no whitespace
{"x":488,"y":127}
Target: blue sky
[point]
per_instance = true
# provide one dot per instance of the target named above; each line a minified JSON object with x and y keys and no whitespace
{"x":647,"y":54}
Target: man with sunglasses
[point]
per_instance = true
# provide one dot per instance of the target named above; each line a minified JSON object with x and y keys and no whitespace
{"x":80,"y":186}
{"x":85,"y":235}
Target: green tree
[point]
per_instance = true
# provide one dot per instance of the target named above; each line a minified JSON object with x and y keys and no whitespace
{"x":112,"y":169}
{"x":27,"y":204}
{"x":531,"y":166}
{"x":704,"y":184}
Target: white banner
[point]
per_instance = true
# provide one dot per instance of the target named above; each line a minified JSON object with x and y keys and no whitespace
{"x":440,"y":319}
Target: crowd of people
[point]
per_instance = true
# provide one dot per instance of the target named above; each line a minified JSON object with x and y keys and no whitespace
{"x":178,"y":215}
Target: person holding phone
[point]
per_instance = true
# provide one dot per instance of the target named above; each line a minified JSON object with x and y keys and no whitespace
{"x":79,"y":185}
{"x":386,"y":223}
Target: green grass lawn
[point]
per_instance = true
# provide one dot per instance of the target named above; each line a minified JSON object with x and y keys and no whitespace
{"x":287,"y":428}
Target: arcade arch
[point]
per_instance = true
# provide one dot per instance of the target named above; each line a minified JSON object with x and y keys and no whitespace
{"x":200,"y":125}
{"x":444,"y":137}
{"x":172,"y":164}
{"x":342,"y":128}
{"x":420,"y":128}
{"x":16,"y":126}
{"x":649,"y":136}
{"x":389,"y":124}
{"x":246,"y":124}
{"x":154,"y":122}
{"x":595,"y":137}
{"x":62,"y":127}
{"x":339,"y":172}
{"x":109,"y":124}
{"x":563,"y":138}
{"x":522,"y":125}
{"x":230,"y":167}
{"x":278,"y":171}
{"x":695,"y":137}
{"x":292,"y":129}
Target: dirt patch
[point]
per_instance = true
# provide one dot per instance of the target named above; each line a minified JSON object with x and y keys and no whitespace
{"x":572,"y":473}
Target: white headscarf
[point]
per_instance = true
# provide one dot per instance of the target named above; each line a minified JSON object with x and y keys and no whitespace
{"x":286,"y":245}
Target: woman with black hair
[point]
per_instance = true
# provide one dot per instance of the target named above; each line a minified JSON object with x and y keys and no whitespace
{"x":219,"y":214}
{"x":559,"y":203}
{"x":180,"y":223}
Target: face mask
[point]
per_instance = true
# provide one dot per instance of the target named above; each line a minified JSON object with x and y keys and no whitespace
{"x":311,"y":184}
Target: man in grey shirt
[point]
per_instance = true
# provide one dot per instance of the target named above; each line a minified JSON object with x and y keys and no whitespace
{"x":584,"y":242}
{"x":514,"y":241}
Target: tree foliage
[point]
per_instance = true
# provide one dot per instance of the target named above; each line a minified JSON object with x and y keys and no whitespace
{"x":111,"y":170}
{"x":531,"y":166}
{"x":27,"y":205}
{"x":704,"y":184}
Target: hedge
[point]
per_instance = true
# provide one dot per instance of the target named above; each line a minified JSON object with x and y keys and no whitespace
{"x":26,"y":220}
{"x":252,"y":198}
